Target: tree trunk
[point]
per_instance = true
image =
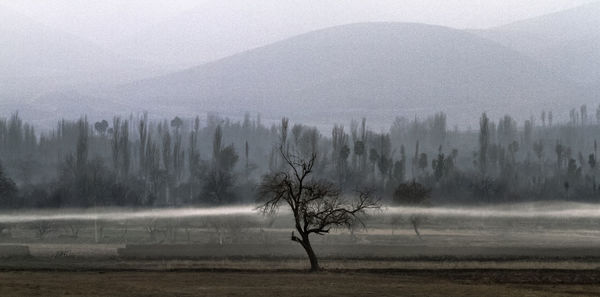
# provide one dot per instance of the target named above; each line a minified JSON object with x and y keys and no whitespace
{"x":415,"y":223}
{"x":312,"y":257}
{"x":415,"y":227}
{"x":314,"y":262}
{"x":168,"y":195}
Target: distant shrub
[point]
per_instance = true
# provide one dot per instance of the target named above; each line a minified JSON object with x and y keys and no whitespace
{"x":411,"y":193}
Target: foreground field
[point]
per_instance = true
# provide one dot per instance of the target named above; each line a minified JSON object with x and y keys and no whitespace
{"x":476,"y":255}
{"x":286,"y":283}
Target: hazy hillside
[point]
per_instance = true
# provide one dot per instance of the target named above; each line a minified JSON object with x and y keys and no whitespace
{"x":377,"y":69}
{"x":568,"y":42}
{"x":208,"y":33}
{"x":36,"y":59}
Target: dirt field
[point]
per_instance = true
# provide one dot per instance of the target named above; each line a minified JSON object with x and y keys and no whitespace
{"x":234,"y":257}
{"x":347,"y":283}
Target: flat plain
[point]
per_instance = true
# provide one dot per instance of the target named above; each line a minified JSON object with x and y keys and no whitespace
{"x":240,"y":257}
{"x":295,"y":283}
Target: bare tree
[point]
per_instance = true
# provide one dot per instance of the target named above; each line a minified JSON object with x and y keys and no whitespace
{"x":143,"y":135}
{"x":412,"y":194}
{"x":5,"y":231}
{"x":317,"y":205}
{"x":152,"y":228}
{"x":42,"y":228}
{"x":72,"y":228}
{"x":484,"y":142}
{"x":115,"y":143}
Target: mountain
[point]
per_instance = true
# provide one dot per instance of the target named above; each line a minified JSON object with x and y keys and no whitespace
{"x":217,"y":29}
{"x":568,"y":42}
{"x":45,"y":110}
{"x":36,"y":59}
{"x":379,"y":70}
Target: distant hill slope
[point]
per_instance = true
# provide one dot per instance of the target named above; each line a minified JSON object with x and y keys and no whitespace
{"x":378,"y":70}
{"x":568,"y":42}
{"x":35,"y":59}
{"x":217,"y":29}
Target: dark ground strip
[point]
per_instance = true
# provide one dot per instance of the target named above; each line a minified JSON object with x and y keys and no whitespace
{"x":482,"y":276}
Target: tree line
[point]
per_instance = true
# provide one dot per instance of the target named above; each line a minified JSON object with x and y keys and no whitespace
{"x":140,"y":162}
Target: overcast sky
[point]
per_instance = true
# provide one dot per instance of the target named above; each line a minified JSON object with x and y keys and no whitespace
{"x":106,"y":21}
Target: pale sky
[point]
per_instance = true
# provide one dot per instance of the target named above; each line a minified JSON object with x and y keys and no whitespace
{"x":107,"y":21}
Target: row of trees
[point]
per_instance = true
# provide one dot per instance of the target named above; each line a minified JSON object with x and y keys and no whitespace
{"x":137,"y":161}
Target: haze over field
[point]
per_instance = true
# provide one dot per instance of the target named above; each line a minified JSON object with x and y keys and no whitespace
{"x":540,"y":210}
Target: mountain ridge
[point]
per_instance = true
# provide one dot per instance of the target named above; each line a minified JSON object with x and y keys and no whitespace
{"x":567,"y":41}
{"x":397,"y":66}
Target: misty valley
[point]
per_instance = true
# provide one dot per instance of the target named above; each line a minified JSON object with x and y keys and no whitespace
{"x":299,"y":148}
{"x":197,"y":186}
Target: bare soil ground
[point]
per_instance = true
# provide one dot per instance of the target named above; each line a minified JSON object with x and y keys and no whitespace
{"x":466,"y":257}
{"x":69,"y":263}
{"x":290,"y":283}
